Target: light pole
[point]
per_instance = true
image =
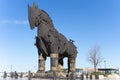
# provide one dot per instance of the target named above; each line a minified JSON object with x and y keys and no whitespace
{"x":105,"y":66}
{"x":11,"y":68}
{"x":105,"y":63}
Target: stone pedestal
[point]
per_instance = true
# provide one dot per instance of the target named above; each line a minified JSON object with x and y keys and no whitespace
{"x":40,"y":75}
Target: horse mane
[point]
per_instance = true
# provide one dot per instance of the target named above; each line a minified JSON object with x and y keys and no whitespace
{"x":45,"y":12}
{"x":47,"y":19}
{"x":46,"y":16}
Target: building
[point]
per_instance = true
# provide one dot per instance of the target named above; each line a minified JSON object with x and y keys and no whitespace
{"x":107,"y":71}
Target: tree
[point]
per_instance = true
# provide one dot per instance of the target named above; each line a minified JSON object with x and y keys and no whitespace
{"x":94,"y":57}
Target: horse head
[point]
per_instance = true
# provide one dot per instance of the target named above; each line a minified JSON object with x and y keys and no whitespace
{"x":33,"y":13}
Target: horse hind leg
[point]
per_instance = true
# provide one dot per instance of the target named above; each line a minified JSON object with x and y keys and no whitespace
{"x":60,"y":65}
{"x":71,"y":66}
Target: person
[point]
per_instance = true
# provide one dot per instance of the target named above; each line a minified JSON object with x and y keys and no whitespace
{"x":5,"y":74}
{"x":21,"y":75}
{"x":29,"y":75}
{"x":16,"y":75}
{"x":11,"y":74}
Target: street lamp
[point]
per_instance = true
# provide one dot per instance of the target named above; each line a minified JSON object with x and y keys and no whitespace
{"x":105,"y":66}
{"x":11,"y":68}
{"x":105,"y":63}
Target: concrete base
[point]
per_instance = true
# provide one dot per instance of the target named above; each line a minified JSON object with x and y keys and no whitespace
{"x":40,"y":75}
{"x":72,"y":75}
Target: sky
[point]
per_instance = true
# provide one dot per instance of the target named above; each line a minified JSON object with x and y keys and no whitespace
{"x":87,"y":22}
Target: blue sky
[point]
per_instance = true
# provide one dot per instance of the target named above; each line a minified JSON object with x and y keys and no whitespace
{"x":88,"y":22}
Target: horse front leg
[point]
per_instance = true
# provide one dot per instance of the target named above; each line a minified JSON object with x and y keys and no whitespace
{"x":41,"y":66}
{"x":41,"y":54}
{"x":41,"y":63}
{"x":54,"y":64}
{"x":54,"y":61}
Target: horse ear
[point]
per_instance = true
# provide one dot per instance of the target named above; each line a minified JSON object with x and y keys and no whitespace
{"x":28,"y":5}
{"x":35,"y":5}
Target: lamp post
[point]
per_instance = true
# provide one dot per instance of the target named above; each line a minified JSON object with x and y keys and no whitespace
{"x":105,"y":63}
{"x":105,"y":66}
{"x":11,"y":68}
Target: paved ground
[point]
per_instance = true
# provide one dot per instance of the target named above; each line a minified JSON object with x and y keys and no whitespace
{"x":50,"y":79}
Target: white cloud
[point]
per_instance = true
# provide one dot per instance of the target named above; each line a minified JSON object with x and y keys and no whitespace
{"x":20,"y":22}
{"x":5,"y":22}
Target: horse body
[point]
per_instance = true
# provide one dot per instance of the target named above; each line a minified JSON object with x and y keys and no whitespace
{"x":48,"y":39}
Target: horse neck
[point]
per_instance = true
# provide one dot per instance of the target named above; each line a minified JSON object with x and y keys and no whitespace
{"x":45,"y":28}
{"x":42,"y":29}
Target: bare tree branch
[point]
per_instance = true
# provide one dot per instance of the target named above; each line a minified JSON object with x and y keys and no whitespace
{"x":94,"y":56}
